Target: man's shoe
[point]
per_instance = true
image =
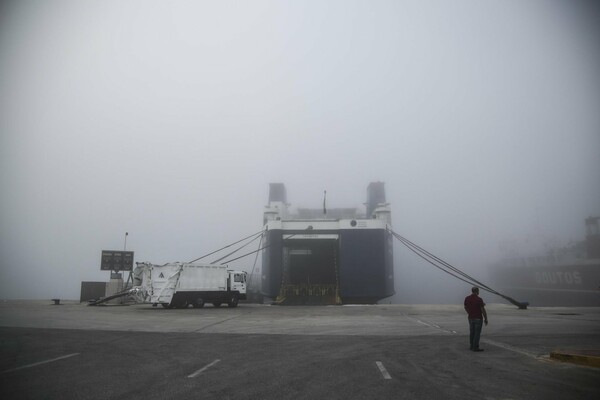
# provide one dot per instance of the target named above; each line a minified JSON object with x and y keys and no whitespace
{"x":477,"y":349}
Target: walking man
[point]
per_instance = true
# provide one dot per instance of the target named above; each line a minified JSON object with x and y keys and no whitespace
{"x":475,"y":308}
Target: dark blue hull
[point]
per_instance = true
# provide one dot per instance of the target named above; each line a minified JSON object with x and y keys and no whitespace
{"x":353,"y":266}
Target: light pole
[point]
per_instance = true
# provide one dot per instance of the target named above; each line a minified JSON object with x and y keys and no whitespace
{"x":125,"y":245}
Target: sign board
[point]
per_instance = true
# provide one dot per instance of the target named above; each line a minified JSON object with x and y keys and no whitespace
{"x":114,"y":260}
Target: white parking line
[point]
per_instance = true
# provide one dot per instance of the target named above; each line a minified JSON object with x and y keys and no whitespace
{"x":40,"y":363}
{"x":383,"y":371}
{"x":201,"y":370}
{"x":511,"y":348}
{"x":436,"y":326}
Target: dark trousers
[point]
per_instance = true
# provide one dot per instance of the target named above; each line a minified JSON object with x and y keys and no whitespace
{"x":475,"y":326}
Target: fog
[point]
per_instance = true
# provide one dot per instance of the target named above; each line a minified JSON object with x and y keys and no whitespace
{"x":168,"y":120}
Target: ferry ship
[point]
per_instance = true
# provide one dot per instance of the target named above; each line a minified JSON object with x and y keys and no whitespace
{"x":327,"y":256}
{"x":561,"y":276}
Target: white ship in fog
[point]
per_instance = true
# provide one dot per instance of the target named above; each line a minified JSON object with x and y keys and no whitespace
{"x":327,"y":256}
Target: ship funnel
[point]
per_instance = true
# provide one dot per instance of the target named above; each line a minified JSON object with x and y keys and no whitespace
{"x":375,"y":196}
{"x":277,"y":193}
{"x":277,"y":208}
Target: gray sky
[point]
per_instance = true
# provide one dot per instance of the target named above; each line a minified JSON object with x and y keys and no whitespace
{"x":169,"y":119}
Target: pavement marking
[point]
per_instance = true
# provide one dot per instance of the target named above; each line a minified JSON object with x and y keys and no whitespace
{"x":511,"y":348}
{"x":217,"y":323}
{"x":39,"y":363}
{"x":201,"y":370}
{"x":589,"y":358}
{"x":436,"y":326}
{"x":383,"y":371}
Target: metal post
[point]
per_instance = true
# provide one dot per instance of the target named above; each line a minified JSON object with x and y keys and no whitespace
{"x":130,"y":276}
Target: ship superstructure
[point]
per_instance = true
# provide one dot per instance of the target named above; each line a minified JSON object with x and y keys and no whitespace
{"x":327,"y":256}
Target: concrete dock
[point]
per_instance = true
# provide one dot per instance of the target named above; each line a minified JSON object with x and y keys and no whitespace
{"x":72,"y":351}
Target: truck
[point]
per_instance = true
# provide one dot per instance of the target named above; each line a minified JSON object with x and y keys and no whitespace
{"x":178,"y":285}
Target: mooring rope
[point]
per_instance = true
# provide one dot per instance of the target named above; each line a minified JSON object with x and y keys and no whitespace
{"x":229,"y":245}
{"x":452,"y":270}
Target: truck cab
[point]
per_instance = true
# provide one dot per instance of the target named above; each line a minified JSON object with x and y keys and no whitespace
{"x":236,"y":282}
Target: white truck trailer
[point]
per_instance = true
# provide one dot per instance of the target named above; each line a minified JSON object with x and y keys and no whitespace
{"x":177,"y":285}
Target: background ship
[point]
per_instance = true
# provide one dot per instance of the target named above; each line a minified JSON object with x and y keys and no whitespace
{"x":327,"y":256}
{"x":561,"y":276}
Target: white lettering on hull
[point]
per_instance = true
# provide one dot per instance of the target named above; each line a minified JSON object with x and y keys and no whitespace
{"x":558,"y":278}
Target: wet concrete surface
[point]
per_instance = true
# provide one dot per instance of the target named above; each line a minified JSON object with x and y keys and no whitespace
{"x":72,"y":351}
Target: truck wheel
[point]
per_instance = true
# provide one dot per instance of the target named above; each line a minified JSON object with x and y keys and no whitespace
{"x":233,"y":301}
{"x":199,"y":303}
{"x":217,"y":304}
{"x":166,"y":305}
{"x":178,"y":302}
{"x":182,"y":304}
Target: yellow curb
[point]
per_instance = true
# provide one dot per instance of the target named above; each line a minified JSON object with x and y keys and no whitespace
{"x":590,"y":358}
